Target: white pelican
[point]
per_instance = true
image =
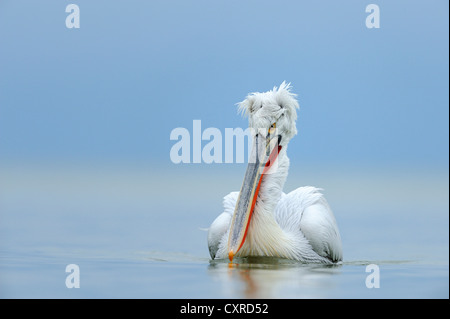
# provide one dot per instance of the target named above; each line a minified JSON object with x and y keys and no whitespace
{"x":261,"y":220}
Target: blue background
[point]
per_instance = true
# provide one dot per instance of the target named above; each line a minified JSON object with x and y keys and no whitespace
{"x":113,"y":90}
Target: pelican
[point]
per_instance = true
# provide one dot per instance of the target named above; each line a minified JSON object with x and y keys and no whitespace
{"x":261,"y":220}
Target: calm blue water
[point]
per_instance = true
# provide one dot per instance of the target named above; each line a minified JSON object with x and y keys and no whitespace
{"x":137,"y":233}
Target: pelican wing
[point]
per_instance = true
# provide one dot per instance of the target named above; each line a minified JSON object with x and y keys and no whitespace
{"x":218,"y":230}
{"x":306,"y":209}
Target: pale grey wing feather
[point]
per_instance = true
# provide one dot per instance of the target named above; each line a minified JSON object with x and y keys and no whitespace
{"x":320,"y":228}
{"x":306,"y":209}
{"x":220,"y":226}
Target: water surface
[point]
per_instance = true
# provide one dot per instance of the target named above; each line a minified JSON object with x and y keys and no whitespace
{"x":140,"y":234}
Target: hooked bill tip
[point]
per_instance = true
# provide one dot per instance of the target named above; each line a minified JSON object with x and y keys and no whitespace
{"x":231,"y":255}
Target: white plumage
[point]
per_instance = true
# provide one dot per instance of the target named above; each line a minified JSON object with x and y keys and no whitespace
{"x":299,"y":225}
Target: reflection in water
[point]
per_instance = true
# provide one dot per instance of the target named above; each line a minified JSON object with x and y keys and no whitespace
{"x":268,"y":277}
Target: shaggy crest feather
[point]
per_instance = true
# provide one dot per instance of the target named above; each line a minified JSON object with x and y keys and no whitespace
{"x":278,"y":105}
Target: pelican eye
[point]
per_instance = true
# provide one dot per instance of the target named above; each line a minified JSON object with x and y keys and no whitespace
{"x":272,"y":128}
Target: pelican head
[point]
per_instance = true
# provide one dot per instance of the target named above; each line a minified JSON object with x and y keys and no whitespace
{"x":275,"y":108}
{"x":272,"y":116}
